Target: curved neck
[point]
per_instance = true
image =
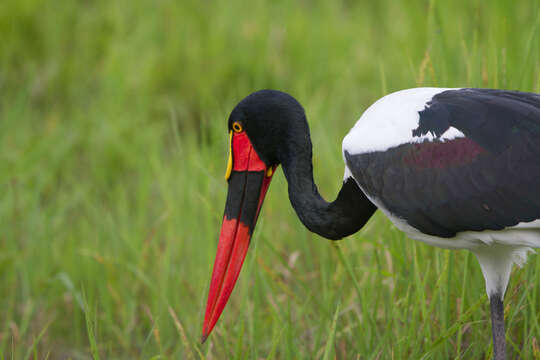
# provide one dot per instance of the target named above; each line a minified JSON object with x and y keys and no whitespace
{"x":335,"y":220}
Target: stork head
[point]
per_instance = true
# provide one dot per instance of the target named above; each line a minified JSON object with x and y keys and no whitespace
{"x":261,"y":128}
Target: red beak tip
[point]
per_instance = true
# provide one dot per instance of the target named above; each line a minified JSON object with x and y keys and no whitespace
{"x":203,"y":338}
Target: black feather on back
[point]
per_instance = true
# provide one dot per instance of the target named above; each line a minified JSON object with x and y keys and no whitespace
{"x":488,"y":180}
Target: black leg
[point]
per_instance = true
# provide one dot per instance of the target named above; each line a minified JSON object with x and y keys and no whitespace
{"x":497,"y":327}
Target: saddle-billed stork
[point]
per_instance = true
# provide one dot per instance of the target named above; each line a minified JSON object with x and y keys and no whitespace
{"x":454,"y":168}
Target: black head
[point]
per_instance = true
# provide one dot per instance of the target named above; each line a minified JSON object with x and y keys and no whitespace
{"x":262,"y":127}
{"x":273,"y":121}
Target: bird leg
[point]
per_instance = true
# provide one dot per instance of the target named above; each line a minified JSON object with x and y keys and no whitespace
{"x":497,"y":326}
{"x":496,"y":263}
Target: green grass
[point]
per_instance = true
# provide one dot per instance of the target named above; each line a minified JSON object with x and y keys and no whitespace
{"x":113,"y":146}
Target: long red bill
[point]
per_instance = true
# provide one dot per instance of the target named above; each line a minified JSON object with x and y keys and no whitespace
{"x":248,"y":184}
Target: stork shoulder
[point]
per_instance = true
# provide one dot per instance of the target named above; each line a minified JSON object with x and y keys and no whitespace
{"x":391,"y":120}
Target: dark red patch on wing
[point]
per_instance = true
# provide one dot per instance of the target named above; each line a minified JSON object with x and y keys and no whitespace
{"x":441,"y":155}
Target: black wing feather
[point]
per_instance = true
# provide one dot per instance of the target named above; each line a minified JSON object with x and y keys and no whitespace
{"x":488,"y":180}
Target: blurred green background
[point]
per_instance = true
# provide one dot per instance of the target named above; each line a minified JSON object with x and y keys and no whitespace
{"x":113,"y":145}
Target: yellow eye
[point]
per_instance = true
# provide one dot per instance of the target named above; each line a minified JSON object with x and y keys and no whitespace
{"x":237,"y":127}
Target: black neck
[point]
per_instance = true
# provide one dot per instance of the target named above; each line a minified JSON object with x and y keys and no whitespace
{"x":340,"y":218}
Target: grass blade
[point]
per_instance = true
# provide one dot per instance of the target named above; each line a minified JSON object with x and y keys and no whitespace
{"x":330,"y":342}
